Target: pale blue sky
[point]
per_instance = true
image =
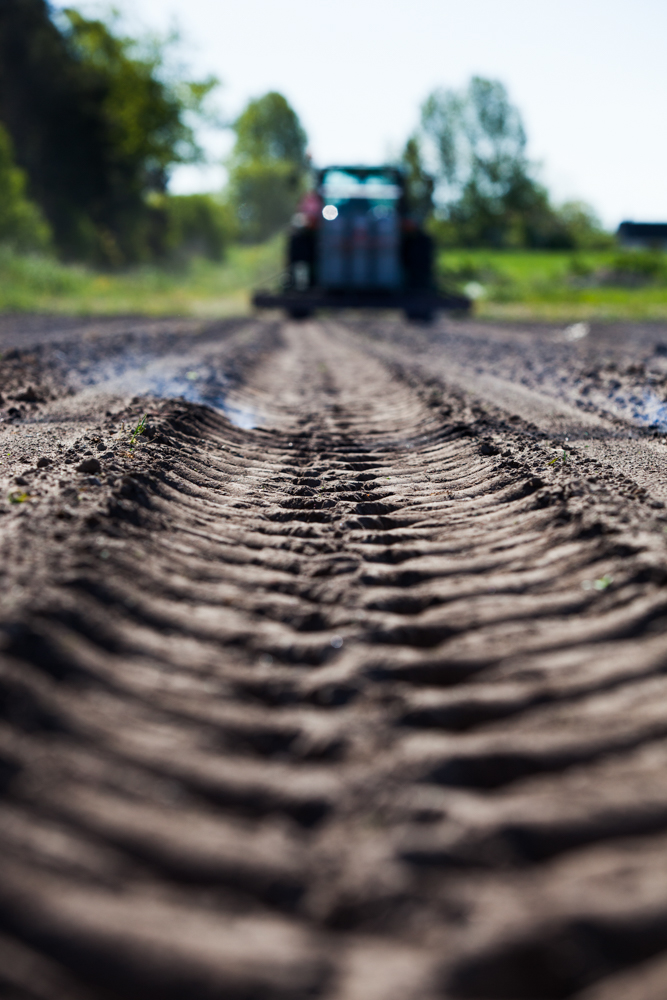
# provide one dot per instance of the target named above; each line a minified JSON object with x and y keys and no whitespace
{"x":589,"y":76}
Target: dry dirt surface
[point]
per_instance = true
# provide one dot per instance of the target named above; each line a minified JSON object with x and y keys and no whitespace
{"x":332,"y":661}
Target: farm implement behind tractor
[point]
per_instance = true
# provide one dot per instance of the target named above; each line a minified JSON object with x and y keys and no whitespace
{"x":353,"y":244}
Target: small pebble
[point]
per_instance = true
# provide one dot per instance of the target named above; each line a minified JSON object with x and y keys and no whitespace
{"x":43,"y":462}
{"x":21,"y":481}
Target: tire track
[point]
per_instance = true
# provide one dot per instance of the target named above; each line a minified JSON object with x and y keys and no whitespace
{"x":366,"y":701}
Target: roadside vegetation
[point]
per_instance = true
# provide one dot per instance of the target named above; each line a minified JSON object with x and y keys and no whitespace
{"x":93,"y":122}
{"x":559,"y":285}
{"x":507,"y":284}
{"x":200,"y":287}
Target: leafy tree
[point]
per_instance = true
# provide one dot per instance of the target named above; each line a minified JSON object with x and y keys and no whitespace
{"x":267,"y":166}
{"x":269,"y":130}
{"x":22,"y":225}
{"x":522,"y":217}
{"x":146,"y":129}
{"x":486,"y":193}
{"x":199,"y":225}
{"x":265,"y":196}
{"x":97,"y":124}
{"x":584,"y":227}
{"x":50,"y":106}
{"x":145,"y":113}
{"x":478,"y":137}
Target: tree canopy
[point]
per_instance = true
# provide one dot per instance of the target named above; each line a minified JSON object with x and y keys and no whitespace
{"x":478,"y":136}
{"x":486,"y":193}
{"x":145,"y":113}
{"x":96,"y":124}
{"x":268,"y":130}
{"x":268,"y":166}
{"x":22,"y":225}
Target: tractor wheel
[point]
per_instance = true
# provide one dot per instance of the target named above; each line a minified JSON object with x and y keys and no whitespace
{"x":419,"y":315}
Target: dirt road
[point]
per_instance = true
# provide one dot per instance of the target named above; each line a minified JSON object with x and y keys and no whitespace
{"x":340,"y":675}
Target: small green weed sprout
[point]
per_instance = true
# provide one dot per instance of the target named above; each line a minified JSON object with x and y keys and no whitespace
{"x":600,"y":584}
{"x":18,"y":497}
{"x":139,"y":429}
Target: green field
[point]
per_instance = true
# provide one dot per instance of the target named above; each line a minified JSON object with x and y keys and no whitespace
{"x":513,"y":285}
{"x":555,"y":285}
{"x":200,"y":288}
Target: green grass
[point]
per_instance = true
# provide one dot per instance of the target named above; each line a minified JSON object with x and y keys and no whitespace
{"x":201,"y":288}
{"x":139,"y":429}
{"x":560,"y":286}
{"x":515,"y":285}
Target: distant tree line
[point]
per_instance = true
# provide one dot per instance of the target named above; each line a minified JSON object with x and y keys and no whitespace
{"x":92,"y":123}
{"x":467,"y":174}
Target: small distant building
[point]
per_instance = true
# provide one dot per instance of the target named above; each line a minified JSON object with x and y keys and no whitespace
{"x":647,"y":235}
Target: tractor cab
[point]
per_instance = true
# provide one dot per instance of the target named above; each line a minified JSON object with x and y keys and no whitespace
{"x":353,"y":244}
{"x":359,"y":235}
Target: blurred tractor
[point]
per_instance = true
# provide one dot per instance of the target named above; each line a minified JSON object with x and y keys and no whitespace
{"x":354,"y":245}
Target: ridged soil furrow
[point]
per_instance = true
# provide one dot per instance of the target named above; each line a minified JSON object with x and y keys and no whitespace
{"x":344,"y":693}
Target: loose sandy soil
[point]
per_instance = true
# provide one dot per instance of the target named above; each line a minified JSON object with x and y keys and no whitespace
{"x":346,"y":677}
